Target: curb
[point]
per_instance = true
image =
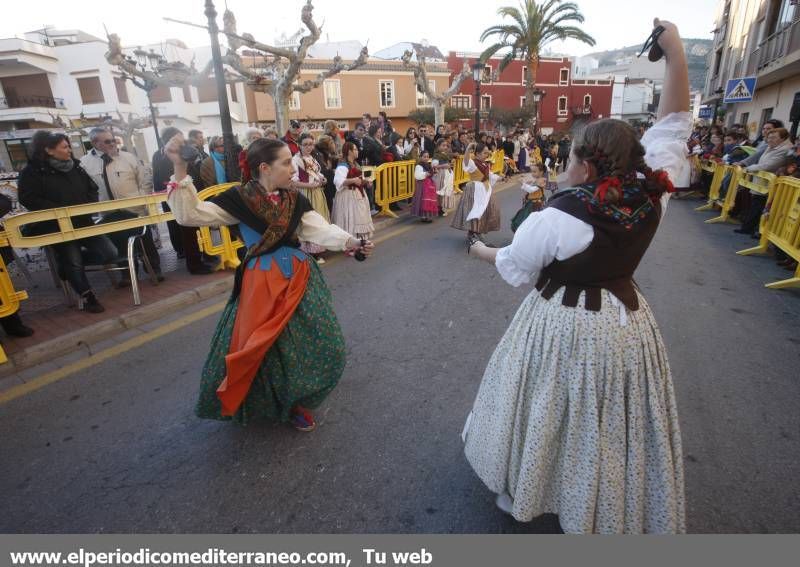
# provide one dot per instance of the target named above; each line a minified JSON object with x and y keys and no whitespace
{"x":108,"y":329}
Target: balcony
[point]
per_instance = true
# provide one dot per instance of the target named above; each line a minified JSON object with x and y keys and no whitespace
{"x":31,"y":101}
{"x":775,"y":47}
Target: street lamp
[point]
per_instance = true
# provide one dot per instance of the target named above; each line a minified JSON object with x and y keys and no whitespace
{"x":231,"y":159}
{"x":477,"y":73}
{"x":147,"y":62}
{"x":720,"y":91}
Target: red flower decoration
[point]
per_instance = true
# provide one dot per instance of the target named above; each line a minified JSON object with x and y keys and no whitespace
{"x":602,"y":188}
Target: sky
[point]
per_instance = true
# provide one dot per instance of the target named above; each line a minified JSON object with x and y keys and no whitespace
{"x":448,"y":24}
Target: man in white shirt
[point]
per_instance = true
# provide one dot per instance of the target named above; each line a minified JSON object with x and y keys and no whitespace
{"x":119,"y":175}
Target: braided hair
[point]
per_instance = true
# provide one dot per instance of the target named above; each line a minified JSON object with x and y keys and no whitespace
{"x":613,"y":148}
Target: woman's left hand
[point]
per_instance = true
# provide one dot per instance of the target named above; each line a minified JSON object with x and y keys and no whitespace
{"x":368,"y":249}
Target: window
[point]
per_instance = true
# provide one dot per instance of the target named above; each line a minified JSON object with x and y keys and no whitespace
{"x":461,"y":101}
{"x":422,"y":98}
{"x":766,"y":114}
{"x":294,"y":102}
{"x":187,"y":93}
{"x":333,"y":93}
{"x":522,"y":102}
{"x":744,"y":119}
{"x":122,"y":90}
{"x":717,"y":62}
{"x":386,"y":94}
{"x":486,"y":76}
{"x":91,"y":91}
{"x":161,"y":94}
{"x":563,"y":78}
{"x":524,"y":72}
{"x":587,"y":100}
{"x":207,"y":90}
{"x":562,"y":106}
{"x":486,"y":102}
{"x":234,"y":94}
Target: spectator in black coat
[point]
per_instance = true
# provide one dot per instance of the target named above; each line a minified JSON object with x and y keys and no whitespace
{"x":53,"y":178}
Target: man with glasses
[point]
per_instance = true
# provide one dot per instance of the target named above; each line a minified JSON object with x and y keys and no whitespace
{"x":120,"y":175}
{"x":425,"y":141}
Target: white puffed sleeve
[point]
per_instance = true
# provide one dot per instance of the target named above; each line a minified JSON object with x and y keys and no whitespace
{"x":419,"y":173}
{"x":296,"y":166}
{"x":545,"y":236}
{"x":191,"y":211}
{"x":665,"y":148}
{"x":528,"y":188}
{"x":469,"y":166}
{"x":314,"y":228}
{"x":339,"y":177}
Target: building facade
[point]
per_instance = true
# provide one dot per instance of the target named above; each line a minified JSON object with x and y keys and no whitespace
{"x":567,"y":102}
{"x":53,"y":78}
{"x":377,"y":86}
{"x":758,"y":38}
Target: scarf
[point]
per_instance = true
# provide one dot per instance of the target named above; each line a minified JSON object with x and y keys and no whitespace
{"x":64,"y":166}
{"x":636,"y":202}
{"x":442,"y":157}
{"x":219,"y":169}
{"x":484,"y":167}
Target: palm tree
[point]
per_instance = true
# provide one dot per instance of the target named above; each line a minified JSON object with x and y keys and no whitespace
{"x":534,"y":26}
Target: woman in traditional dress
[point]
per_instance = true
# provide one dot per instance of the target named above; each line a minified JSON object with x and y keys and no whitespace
{"x":477,"y":212}
{"x":576,"y":412}
{"x":327,"y":158}
{"x":278,"y":350}
{"x":443,"y":177}
{"x":351,"y":205}
{"x":425,"y":204}
{"x":308,"y":179}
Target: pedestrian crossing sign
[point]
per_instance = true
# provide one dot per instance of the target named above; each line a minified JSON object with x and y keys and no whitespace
{"x":740,"y":90}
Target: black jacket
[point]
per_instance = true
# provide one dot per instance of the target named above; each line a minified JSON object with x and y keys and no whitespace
{"x":43,"y":187}
{"x":373,"y":151}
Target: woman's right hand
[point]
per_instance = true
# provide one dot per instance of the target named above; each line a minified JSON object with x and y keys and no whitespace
{"x":669,"y":40}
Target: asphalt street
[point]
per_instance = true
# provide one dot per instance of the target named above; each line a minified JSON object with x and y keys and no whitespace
{"x":117,"y":448}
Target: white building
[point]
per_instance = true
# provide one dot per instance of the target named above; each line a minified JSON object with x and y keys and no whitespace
{"x":53,"y":75}
{"x":756,"y":38}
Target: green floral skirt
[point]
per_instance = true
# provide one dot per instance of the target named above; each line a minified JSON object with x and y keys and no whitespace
{"x":302,"y":367}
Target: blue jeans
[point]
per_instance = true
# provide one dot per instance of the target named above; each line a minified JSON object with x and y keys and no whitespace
{"x":73,"y":256}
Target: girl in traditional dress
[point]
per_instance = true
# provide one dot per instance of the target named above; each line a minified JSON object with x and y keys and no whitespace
{"x":351,"y":205}
{"x":278,"y":350}
{"x":425,"y":203}
{"x":443,"y":177}
{"x":576,"y":412}
{"x":477,"y":212}
{"x":308,"y":179}
{"x":327,"y":158}
{"x":532,"y":195}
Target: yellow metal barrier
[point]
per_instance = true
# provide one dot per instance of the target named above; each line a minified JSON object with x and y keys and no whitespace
{"x":726,"y":204}
{"x":718,"y":171}
{"x":394,"y":181}
{"x":227,"y":247}
{"x":780,"y":225}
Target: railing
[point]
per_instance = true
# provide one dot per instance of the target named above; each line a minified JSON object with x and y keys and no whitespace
{"x":26,"y":101}
{"x":781,"y":43}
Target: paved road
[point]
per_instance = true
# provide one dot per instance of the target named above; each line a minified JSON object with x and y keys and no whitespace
{"x":117,"y":448}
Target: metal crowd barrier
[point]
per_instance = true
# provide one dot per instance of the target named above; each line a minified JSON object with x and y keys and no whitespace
{"x":780,"y":223}
{"x":394,"y":181}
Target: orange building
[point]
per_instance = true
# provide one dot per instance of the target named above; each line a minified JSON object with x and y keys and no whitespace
{"x":380,"y":85}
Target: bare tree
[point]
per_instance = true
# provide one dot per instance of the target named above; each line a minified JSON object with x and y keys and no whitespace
{"x":281,"y":67}
{"x":420,"y":69}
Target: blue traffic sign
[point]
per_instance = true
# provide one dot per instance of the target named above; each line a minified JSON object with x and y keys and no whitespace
{"x":740,"y":90}
{"x":705,"y":112}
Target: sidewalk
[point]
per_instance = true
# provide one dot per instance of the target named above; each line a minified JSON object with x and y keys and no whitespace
{"x":61,"y":329}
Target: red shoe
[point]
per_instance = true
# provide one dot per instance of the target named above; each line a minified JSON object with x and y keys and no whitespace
{"x":302,"y":419}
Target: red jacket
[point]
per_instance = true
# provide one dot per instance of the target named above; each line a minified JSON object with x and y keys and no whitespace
{"x":293,"y":147}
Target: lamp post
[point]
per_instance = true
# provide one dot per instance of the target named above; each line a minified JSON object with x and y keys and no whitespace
{"x":719,"y":92}
{"x":148,"y":61}
{"x":231,"y":159}
{"x":477,"y":72}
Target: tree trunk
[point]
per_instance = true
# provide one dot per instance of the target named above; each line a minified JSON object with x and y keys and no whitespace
{"x":530,"y":79}
{"x":438,"y":112}
{"x":281,"y":111}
